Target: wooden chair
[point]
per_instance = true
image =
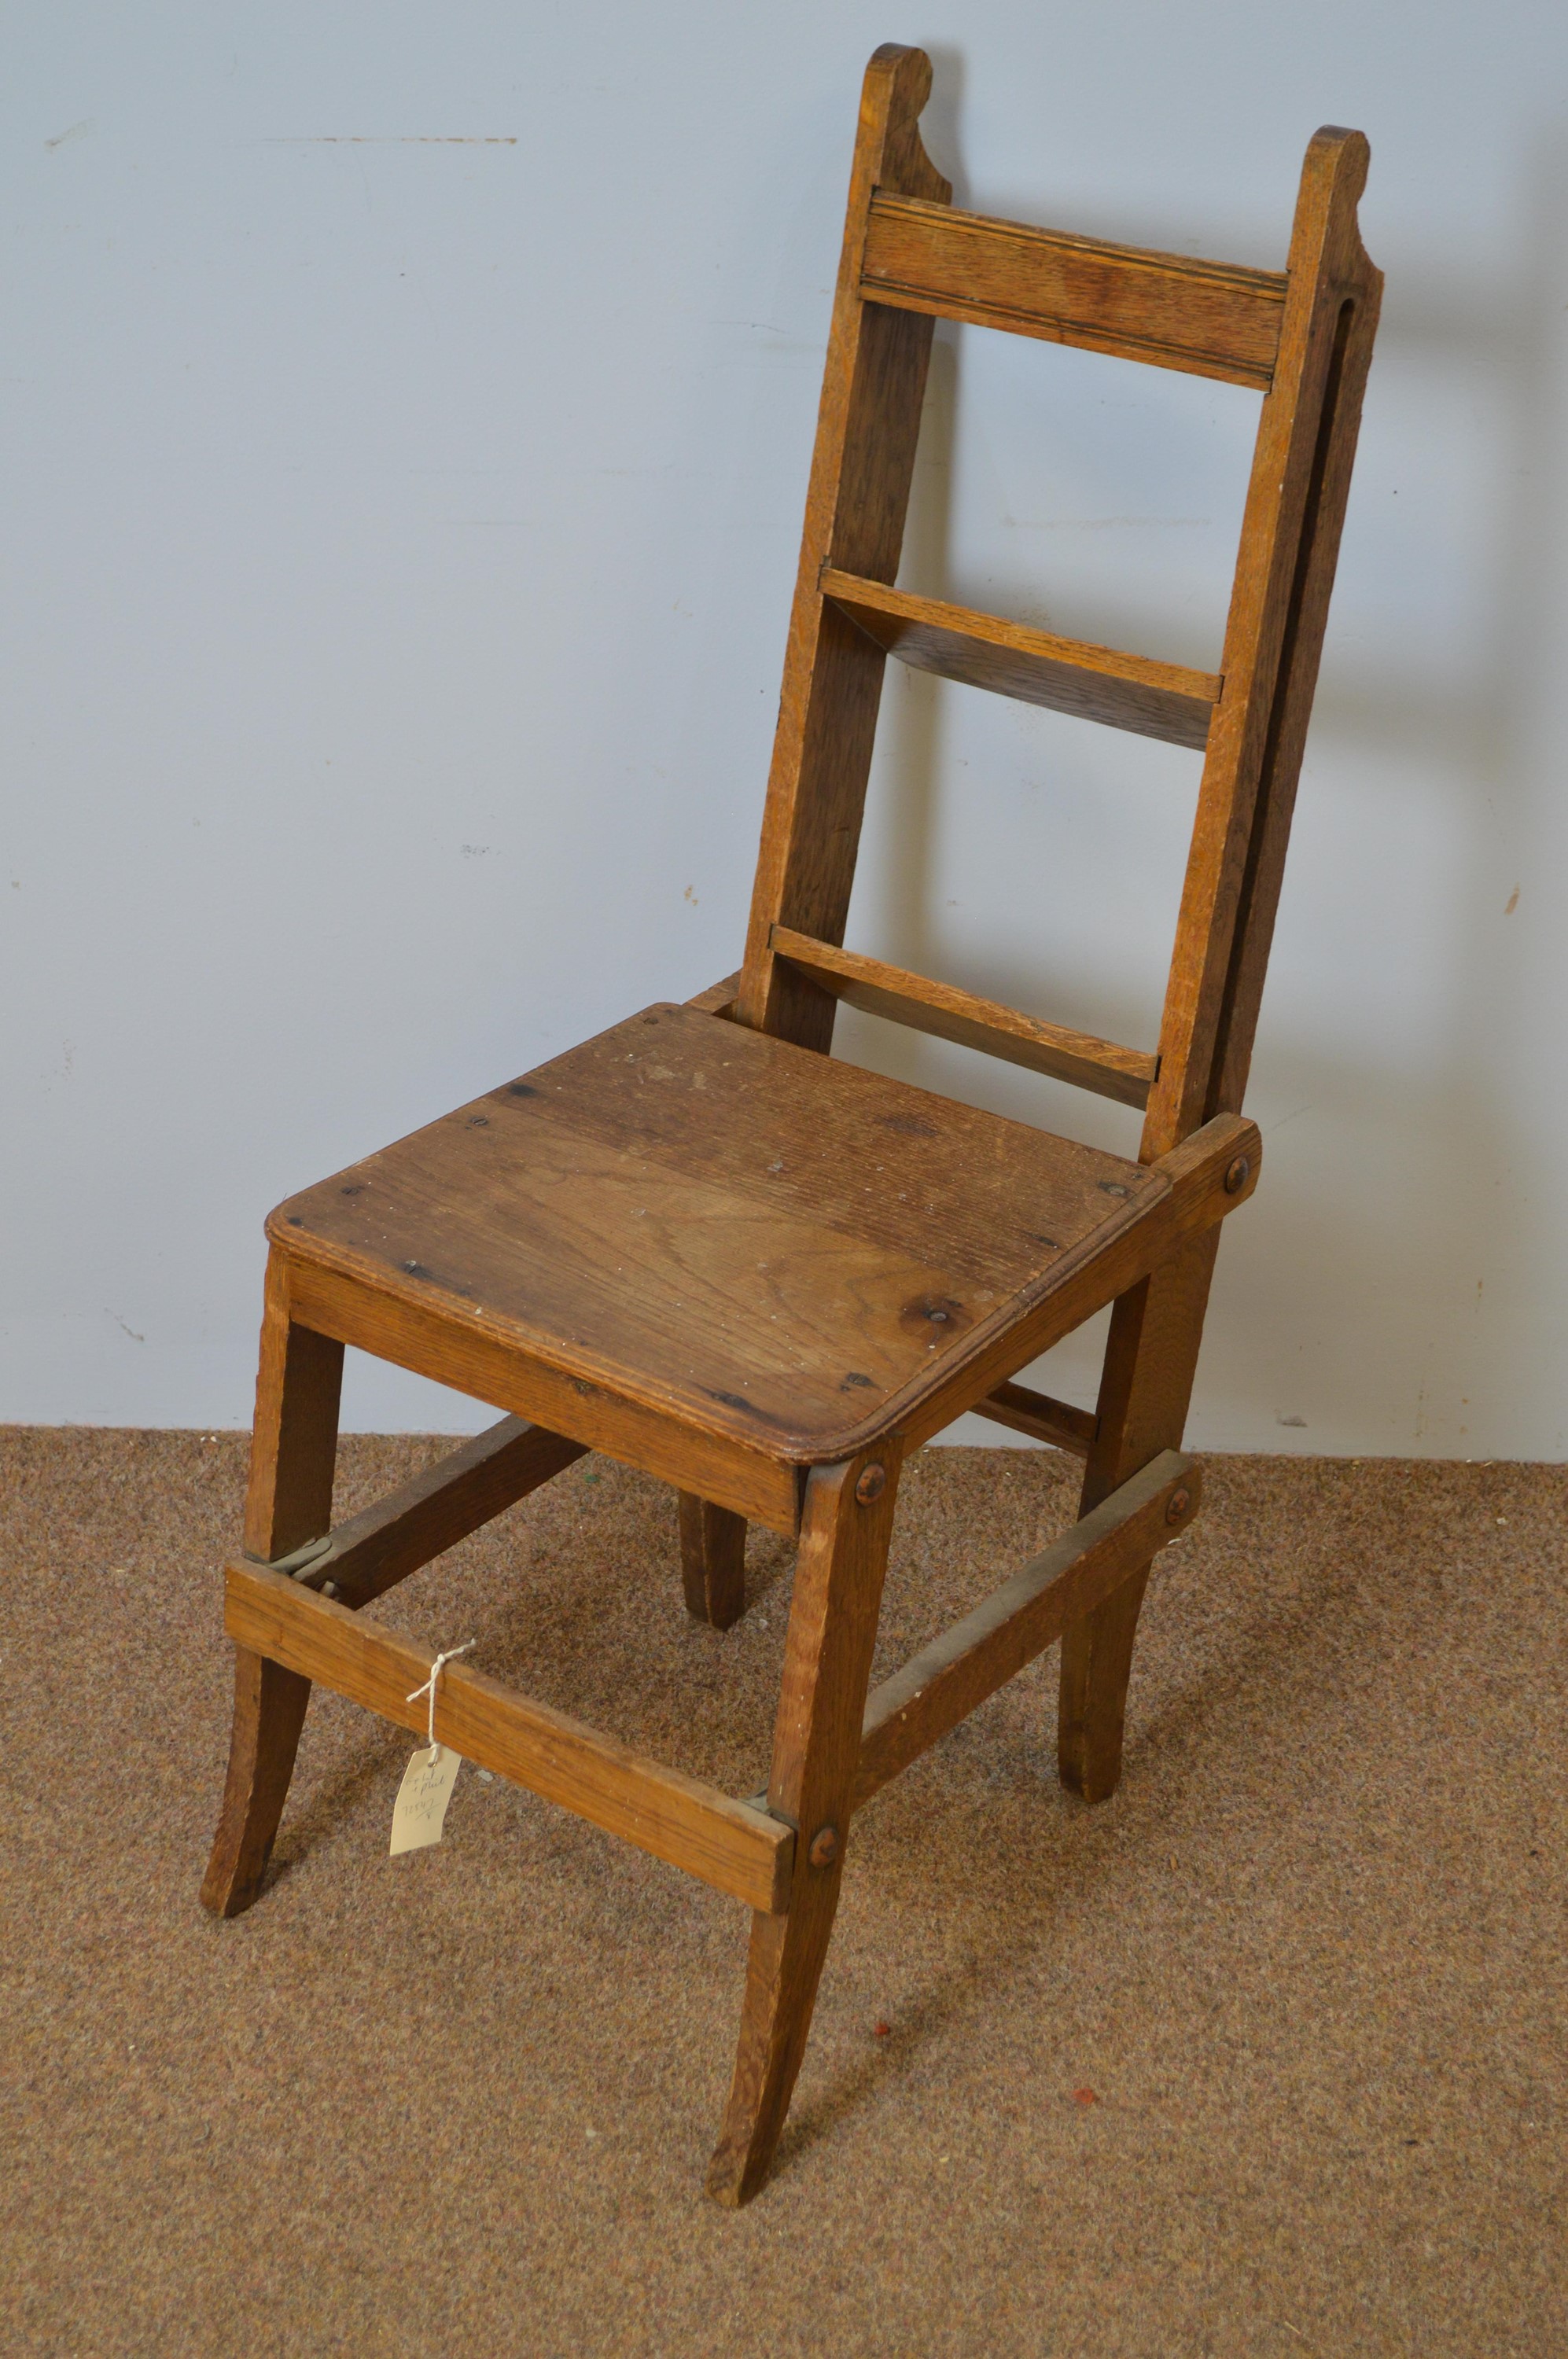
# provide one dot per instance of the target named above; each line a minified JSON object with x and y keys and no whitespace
{"x":664,"y":1246}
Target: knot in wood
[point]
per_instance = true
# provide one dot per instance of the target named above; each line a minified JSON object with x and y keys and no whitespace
{"x":872,"y":1483}
{"x":825,"y":1847}
{"x":1178,"y":1503}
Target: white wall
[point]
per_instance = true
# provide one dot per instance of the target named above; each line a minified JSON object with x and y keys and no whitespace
{"x":409,"y":417}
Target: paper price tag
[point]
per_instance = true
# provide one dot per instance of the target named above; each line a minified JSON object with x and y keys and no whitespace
{"x":420,"y":1813}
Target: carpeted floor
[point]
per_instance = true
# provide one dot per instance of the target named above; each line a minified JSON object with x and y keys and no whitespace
{"x":1267,"y":2055}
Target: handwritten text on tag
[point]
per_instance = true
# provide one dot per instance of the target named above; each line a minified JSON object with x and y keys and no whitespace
{"x":419,"y":1812}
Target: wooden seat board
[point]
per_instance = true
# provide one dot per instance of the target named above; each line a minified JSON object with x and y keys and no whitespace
{"x":763,"y":1242}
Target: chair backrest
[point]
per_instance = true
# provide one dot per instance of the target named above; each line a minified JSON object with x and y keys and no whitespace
{"x":1305,"y":338}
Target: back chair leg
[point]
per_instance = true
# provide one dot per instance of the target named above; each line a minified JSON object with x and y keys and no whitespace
{"x":293,"y":1456}
{"x":1150,"y":1361}
{"x":712,"y":1561}
{"x":816,"y":1751}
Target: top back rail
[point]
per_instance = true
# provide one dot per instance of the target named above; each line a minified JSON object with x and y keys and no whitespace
{"x":1302,"y":337}
{"x":1181,"y":314}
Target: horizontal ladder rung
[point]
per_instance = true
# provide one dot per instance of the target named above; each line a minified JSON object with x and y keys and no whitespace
{"x":719,"y":999}
{"x":946,"y":1680}
{"x":1056,"y":1422}
{"x":374,"y":1550}
{"x":1156,"y":699}
{"x":1202,"y":317}
{"x":726,"y":1843}
{"x":1124,"y":1074}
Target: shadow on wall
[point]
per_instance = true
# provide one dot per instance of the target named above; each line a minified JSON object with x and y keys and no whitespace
{"x":1406,"y":1191}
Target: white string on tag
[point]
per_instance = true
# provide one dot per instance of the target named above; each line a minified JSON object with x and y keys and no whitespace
{"x":449,"y":1656}
{"x":418,"y":1814}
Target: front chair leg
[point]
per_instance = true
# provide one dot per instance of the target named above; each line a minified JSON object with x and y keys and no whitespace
{"x":293,"y":1454}
{"x":269,"y":1711}
{"x":712,"y":1561}
{"x":816,"y":1751}
{"x":1096,"y":1668}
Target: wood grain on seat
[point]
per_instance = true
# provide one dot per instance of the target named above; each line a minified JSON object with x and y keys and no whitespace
{"x":755,"y":1239}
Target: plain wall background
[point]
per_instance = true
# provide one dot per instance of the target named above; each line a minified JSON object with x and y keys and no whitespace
{"x":408,"y":414}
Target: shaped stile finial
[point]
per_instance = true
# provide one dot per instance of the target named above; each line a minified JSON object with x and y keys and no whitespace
{"x":898,"y":84}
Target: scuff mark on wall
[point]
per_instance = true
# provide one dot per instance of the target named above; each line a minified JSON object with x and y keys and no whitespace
{"x":368,"y":139}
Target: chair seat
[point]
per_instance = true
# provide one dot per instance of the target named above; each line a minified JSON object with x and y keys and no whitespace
{"x":764,"y":1243}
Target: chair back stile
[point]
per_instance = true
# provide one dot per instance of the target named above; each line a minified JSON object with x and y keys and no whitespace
{"x":862,"y":468}
{"x":1290,"y":544}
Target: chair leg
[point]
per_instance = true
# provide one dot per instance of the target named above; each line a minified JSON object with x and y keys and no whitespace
{"x":269,"y":1711}
{"x":293,"y":1454}
{"x":712,"y":1561}
{"x":1096,"y":1670}
{"x":816,"y":1751}
{"x":1150,"y":1361}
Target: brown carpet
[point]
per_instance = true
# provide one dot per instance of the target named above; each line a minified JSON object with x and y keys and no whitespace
{"x":1308,"y":1961}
